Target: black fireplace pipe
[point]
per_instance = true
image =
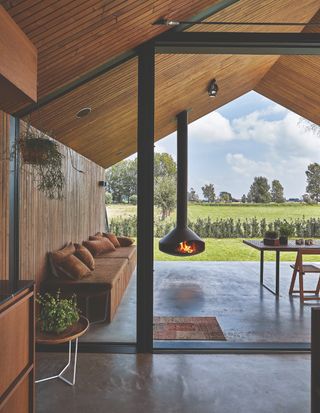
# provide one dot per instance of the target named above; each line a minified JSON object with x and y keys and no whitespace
{"x":181,"y":233}
{"x":182,"y":171}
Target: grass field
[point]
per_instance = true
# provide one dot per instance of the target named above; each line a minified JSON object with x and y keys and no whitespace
{"x":242,"y":211}
{"x":231,"y":249}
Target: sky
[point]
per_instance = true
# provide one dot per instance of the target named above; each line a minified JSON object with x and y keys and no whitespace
{"x":250,"y":136}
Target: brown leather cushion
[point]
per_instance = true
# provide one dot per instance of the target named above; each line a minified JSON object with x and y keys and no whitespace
{"x":125,"y":241}
{"x":95,"y":237}
{"x":123,"y":252}
{"x":73,"y":268}
{"x":56,"y":257}
{"x":99,"y":246}
{"x":84,"y":255}
{"x":113,"y":239}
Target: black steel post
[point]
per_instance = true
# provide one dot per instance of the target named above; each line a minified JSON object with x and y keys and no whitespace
{"x":315,"y":360}
{"x":182,"y":170}
{"x":261,"y":266}
{"x":14,"y":204}
{"x":146,"y":75}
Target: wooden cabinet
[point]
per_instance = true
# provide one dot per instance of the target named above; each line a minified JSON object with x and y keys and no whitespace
{"x":17,"y":343}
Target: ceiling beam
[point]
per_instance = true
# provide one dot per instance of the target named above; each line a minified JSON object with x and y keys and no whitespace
{"x":113,"y":63}
{"x":239,"y":43}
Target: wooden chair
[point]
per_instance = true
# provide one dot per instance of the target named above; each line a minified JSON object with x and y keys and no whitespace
{"x":302,"y":269}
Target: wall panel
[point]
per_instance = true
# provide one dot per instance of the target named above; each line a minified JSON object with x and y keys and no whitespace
{"x":46,"y":225}
{"x":4,"y":195}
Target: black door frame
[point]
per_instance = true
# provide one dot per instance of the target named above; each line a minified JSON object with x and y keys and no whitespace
{"x":187,"y":43}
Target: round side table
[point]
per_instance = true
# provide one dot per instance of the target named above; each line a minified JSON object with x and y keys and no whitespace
{"x":71,"y":334}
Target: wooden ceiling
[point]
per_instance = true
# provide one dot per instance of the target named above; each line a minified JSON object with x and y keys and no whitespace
{"x":75,"y":36}
{"x":72,"y":41}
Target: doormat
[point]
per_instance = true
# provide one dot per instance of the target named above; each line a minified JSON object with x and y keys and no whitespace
{"x":187,"y":328}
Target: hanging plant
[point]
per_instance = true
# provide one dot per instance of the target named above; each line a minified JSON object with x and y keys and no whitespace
{"x":45,"y":160}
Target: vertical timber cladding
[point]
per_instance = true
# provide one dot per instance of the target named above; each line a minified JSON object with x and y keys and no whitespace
{"x":4,"y":194}
{"x":47,"y":225}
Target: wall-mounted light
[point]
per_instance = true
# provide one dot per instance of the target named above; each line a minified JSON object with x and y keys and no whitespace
{"x":83,"y":112}
{"x":102,"y":183}
{"x":213,"y":88}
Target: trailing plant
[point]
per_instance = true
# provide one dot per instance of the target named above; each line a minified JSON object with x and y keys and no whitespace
{"x":56,"y":313}
{"x":45,"y":160}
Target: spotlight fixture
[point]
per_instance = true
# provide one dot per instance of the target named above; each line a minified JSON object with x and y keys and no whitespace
{"x":213,"y":88}
{"x":83,"y":112}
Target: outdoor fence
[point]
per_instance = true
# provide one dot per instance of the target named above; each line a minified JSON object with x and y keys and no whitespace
{"x":223,"y":228}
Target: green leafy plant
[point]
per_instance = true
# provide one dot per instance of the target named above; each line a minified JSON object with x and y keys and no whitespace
{"x":286,"y":229}
{"x":271,"y":234}
{"x":45,"y":160}
{"x":56,"y":313}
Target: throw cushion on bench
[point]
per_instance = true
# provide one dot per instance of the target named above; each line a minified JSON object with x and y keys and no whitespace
{"x":85,"y":256}
{"x":99,"y":246}
{"x":73,"y":268}
{"x":55,"y":258}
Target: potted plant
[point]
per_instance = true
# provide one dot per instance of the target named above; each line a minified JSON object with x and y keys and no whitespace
{"x":271,"y":238}
{"x":285,"y":231}
{"x":42,"y":153}
{"x":57,"y":314}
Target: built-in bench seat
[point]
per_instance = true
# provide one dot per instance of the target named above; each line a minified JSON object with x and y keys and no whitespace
{"x":103,"y":290}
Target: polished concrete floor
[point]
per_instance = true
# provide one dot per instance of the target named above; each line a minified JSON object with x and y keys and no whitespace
{"x":120,"y":383}
{"x":229,"y":291}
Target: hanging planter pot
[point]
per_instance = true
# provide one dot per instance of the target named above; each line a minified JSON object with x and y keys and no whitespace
{"x":45,"y":159}
{"x":36,"y":150}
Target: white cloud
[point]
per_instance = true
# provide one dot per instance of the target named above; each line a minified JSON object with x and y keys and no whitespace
{"x":248,"y":167}
{"x":211,"y":128}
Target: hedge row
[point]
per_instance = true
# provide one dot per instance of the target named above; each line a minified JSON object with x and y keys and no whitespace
{"x":223,"y":228}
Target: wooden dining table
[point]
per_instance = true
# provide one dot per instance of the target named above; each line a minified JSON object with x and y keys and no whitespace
{"x":290,"y":247}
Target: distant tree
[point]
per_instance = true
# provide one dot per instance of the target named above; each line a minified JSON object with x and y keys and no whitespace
{"x":208,"y":192}
{"x":193,"y":196}
{"x":313,"y":181}
{"x":107,"y":198}
{"x":259,"y":190}
{"x":165,"y":195}
{"x":277,"y":191}
{"x":225,"y":196}
{"x":164,"y":165}
{"x":122,"y":180}
{"x":244,"y":199}
{"x":133,"y":199}
{"x":306,"y":198}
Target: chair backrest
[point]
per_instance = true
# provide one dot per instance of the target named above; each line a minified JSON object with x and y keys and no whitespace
{"x":304,"y":251}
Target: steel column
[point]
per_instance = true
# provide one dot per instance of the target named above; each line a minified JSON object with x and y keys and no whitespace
{"x":146,"y":79}
{"x":315,"y":360}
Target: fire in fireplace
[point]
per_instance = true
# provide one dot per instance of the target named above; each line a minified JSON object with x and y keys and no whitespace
{"x":182,"y":241}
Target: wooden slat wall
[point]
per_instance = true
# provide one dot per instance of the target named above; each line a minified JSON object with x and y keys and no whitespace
{"x":46,"y":225}
{"x":4,"y":196}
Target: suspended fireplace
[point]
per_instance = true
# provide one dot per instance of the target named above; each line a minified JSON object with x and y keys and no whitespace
{"x":181,"y":241}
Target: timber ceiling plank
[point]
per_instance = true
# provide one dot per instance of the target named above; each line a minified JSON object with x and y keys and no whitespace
{"x":294,"y":82}
{"x":108,"y":133}
{"x":74,"y":37}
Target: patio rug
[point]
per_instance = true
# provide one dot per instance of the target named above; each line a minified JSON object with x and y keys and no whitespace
{"x":187,"y":328}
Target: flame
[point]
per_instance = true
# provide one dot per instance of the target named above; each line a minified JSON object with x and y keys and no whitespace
{"x":186,"y":248}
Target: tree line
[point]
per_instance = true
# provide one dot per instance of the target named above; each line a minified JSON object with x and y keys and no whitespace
{"x":121,"y":187}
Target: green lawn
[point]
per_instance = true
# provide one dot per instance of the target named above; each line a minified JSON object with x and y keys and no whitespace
{"x":229,"y":249}
{"x":242,"y":211}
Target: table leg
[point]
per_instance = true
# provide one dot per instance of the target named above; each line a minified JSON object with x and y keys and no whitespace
{"x":277,"y":272}
{"x":261,"y":266}
{"x":277,"y":289}
{"x":60,"y":375}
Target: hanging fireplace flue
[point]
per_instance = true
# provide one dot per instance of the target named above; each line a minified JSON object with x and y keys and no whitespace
{"x":181,"y":241}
